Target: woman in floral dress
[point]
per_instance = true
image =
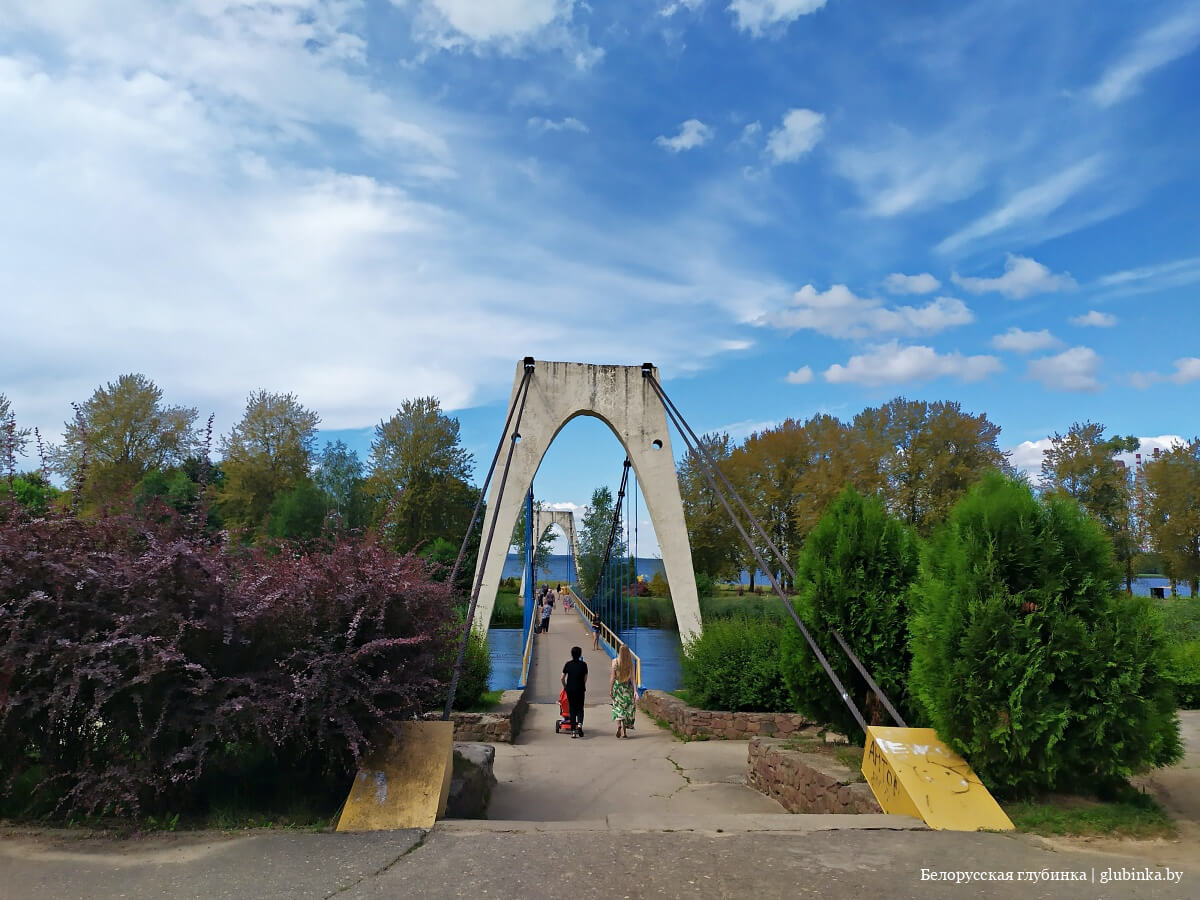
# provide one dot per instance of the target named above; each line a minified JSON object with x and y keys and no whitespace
{"x":622,"y":689}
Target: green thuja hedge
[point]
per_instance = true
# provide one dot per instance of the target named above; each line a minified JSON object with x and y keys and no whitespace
{"x":734,"y":665}
{"x":854,"y":576}
{"x":1026,"y":658}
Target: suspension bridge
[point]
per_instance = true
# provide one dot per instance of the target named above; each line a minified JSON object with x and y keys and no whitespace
{"x":910,"y":770}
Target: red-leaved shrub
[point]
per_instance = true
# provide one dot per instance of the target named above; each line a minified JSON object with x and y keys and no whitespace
{"x":143,"y":666}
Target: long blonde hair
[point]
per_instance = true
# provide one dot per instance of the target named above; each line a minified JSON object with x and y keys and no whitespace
{"x":624,"y":664}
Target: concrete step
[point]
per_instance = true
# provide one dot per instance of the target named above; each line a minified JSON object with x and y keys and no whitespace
{"x":709,"y":823}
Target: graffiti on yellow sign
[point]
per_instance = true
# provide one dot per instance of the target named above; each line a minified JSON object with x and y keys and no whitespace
{"x":913,"y":773}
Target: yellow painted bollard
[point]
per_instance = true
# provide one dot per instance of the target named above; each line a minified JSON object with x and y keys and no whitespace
{"x":405,"y":783}
{"x":913,"y":773}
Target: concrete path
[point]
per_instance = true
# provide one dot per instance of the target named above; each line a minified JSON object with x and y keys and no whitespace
{"x":549,"y":777}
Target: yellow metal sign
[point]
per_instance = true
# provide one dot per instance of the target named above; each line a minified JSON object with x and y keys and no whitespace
{"x":912,"y":773}
{"x":404,"y":784}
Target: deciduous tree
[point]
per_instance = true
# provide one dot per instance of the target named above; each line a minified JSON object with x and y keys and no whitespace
{"x":1172,"y":510}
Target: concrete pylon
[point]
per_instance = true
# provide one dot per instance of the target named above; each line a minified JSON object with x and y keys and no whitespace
{"x":543,"y":519}
{"x":621,"y":398}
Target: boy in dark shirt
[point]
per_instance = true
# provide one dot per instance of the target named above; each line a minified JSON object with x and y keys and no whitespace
{"x":574,"y":682}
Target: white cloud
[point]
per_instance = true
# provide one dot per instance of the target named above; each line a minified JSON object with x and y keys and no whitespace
{"x":1095,"y":320}
{"x":671,"y":8}
{"x":1146,"y":279}
{"x":761,"y":16}
{"x":902,"y":173}
{"x":837,"y":312}
{"x":802,"y":375}
{"x":207,"y":193}
{"x":898,"y":283}
{"x":1072,"y":370}
{"x":1029,"y":204}
{"x":692,"y":133}
{"x":893,"y":364}
{"x":508,"y":27}
{"x":800,"y":131}
{"x":1028,"y":455}
{"x":750,"y":133}
{"x":1186,"y":371}
{"x":1157,"y":47}
{"x":1022,"y":277}
{"x":1018,"y":341}
{"x":568,"y":124}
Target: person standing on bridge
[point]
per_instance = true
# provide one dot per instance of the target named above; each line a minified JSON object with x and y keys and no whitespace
{"x":547,"y":608}
{"x":574,"y":682}
{"x":623,"y":690}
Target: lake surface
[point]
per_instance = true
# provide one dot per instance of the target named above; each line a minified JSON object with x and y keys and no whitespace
{"x":658,"y":648}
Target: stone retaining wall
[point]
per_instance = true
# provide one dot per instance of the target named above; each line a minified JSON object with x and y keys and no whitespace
{"x":689,"y":722}
{"x":499,"y":725}
{"x":806,"y":782}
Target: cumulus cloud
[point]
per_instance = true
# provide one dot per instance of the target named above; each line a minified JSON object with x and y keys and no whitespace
{"x":898,"y":283}
{"x":1072,"y":370}
{"x":800,"y":131}
{"x":1186,"y":371}
{"x":1016,"y":340}
{"x":1022,"y":277}
{"x":692,"y":133}
{"x":188,"y":196}
{"x":838,"y":313}
{"x":760,"y":17}
{"x":503,"y":26}
{"x":802,"y":375}
{"x":1095,"y":319}
{"x":1163,"y":44}
{"x":892,"y":363}
{"x":1027,"y":456}
{"x":570,"y":123}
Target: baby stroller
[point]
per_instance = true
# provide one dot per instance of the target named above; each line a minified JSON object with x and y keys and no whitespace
{"x":562,"y":725}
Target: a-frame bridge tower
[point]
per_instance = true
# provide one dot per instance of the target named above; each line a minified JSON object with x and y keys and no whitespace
{"x":622,"y":398}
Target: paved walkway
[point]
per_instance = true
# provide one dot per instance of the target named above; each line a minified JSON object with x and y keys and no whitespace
{"x":549,"y":777}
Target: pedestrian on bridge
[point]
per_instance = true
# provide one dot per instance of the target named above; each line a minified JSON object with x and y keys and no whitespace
{"x":547,"y":608}
{"x":623,"y":690}
{"x":574,"y":682}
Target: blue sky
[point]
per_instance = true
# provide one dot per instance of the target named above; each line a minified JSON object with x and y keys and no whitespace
{"x":790,"y":206}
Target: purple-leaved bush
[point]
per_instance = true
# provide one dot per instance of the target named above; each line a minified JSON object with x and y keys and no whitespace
{"x":140,"y":659}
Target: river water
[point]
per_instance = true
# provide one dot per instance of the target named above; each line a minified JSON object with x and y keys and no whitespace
{"x":658,"y":648}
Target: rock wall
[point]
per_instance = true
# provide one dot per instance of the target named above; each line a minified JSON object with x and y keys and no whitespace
{"x":689,"y":722}
{"x":497,"y":726}
{"x":472,"y":781}
{"x":806,"y":782}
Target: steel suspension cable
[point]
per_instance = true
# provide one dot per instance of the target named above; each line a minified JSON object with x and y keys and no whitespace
{"x":523,"y":391}
{"x":705,"y":456}
{"x":684,"y":432}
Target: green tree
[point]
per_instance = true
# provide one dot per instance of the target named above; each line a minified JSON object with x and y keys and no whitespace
{"x":13,"y":440}
{"x":32,"y":491}
{"x":1172,"y":511}
{"x":298,"y":514}
{"x":420,"y":475}
{"x":924,"y":456}
{"x":267,"y":453}
{"x":1082,"y":464}
{"x":855,"y":572}
{"x":545,"y":541}
{"x":339,"y":473}
{"x":717,"y":548}
{"x":593,"y":537}
{"x":1026,"y":658}
{"x":122,"y":432}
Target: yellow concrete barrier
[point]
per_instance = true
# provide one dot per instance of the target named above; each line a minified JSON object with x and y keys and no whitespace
{"x":404,"y":784}
{"x":912,"y":773}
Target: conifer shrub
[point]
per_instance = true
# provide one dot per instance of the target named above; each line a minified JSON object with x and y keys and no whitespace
{"x":144,"y":666}
{"x":854,"y":575}
{"x":734,"y":665}
{"x":1026,"y":658}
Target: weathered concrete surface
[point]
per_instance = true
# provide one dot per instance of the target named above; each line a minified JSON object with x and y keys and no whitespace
{"x":544,"y":519}
{"x":570,"y":860}
{"x":621,"y":398}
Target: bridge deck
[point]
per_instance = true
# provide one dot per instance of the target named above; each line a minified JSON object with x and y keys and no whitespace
{"x":548,"y":777}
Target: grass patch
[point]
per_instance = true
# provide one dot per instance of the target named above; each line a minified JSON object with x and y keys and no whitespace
{"x":488,"y":701}
{"x":1129,"y":814}
{"x":509,"y":611}
{"x":848,"y":755}
{"x":683,"y":695}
